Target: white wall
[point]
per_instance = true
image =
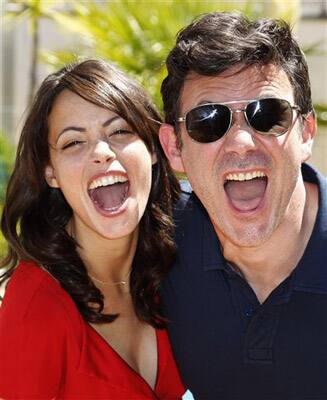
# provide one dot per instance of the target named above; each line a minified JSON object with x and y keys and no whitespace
{"x":311,"y":31}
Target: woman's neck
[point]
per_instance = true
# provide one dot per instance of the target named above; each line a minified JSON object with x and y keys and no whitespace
{"x":107,"y":260}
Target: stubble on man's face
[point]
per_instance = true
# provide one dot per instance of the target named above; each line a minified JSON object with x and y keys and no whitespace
{"x":243,"y":151}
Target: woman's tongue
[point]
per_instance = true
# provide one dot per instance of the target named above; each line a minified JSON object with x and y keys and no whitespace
{"x":246,"y":195}
{"x":109,"y":197}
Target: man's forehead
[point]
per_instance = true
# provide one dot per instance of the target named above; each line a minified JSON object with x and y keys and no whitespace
{"x":234,"y":83}
{"x":265,"y":72}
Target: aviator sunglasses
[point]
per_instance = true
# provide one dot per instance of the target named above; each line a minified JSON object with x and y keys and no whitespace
{"x":207,"y":123}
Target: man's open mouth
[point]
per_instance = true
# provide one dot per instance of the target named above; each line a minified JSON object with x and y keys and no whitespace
{"x":109,"y":192}
{"x":246,"y":190}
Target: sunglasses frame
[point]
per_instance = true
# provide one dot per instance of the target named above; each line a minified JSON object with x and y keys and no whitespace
{"x":239,"y":110}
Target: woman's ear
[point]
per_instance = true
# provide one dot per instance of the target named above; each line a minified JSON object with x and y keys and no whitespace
{"x":168,"y":140}
{"x":50,"y":177}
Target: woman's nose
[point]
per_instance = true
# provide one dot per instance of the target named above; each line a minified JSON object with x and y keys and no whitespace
{"x":102,"y":152}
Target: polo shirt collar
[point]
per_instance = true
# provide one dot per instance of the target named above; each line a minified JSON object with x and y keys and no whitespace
{"x":311,"y":273}
{"x":203,"y":246}
{"x":197,"y":242}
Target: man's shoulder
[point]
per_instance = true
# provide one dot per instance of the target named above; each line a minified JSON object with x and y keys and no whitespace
{"x":312,"y":175}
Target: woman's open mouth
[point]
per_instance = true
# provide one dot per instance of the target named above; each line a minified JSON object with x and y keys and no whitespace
{"x":109,"y":192}
{"x":246,"y":191}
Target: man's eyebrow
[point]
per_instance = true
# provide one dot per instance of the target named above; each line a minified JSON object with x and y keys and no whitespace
{"x":80,"y":129}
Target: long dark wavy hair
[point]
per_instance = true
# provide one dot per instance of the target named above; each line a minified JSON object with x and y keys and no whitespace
{"x":35,"y":216}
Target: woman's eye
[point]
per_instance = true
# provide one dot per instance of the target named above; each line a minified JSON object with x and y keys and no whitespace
{"x":72,"y":143}
{"x":122,"y":132}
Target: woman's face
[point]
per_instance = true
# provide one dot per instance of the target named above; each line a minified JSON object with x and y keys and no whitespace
{"x":101,"y":166}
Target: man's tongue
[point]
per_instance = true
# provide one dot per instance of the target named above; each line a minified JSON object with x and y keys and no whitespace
{"x":246,"y":195}
{"x":109,"y":197}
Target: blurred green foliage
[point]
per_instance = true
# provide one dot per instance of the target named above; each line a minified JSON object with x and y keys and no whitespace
{"x":321,"y":111}
{"x":2,"y":241}
{"x":137,"y":36}
{"x":6,"y":160}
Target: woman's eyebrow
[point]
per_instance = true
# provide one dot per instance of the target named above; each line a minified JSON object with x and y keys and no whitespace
{"x":70,"y":128}
{"x":110,"y":120}
{"x":80,"y":129}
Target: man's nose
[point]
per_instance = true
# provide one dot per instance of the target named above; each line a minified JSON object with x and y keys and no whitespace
{"x":239,"y":139}
{"x":102,"y":152}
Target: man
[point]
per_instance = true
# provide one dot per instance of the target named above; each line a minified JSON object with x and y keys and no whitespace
{"x":247,"y":297}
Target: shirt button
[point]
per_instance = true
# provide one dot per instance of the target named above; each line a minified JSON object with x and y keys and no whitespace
{"x":249,"y":312}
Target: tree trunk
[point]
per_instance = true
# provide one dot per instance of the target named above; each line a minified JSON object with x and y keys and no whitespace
{"x":35,"y":51}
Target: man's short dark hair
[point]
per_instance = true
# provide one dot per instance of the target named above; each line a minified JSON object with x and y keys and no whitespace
{"x":218,"y":41}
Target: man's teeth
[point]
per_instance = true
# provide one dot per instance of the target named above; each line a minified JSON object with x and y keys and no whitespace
{"x":245,"y":176}
{"x":107,"y":180}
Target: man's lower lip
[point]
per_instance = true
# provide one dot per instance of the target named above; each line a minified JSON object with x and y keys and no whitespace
{"x":248,"y":212}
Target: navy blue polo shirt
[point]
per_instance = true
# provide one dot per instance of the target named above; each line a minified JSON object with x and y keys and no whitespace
{"x":228,"y":346}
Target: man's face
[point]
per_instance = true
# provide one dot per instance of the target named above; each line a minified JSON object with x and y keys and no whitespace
{"x":250,"y":184}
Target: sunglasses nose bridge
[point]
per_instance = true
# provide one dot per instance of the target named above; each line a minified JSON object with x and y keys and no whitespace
{"x":239,"y":139}
{"x":238,"y":111}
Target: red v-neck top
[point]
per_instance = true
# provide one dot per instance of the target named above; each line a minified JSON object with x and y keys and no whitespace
{"x":48,"y":351}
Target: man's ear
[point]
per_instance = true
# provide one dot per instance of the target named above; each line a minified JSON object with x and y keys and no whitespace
{"x":50,"y":177}
{"x":168,"y":140}
{"x":309,"y":130}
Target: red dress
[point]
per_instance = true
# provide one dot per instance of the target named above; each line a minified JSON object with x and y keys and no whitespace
{"x":47,"y":350}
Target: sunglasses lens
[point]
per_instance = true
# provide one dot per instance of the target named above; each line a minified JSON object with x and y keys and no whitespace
{"x":269,"y":116}
{"x":208,"y":123}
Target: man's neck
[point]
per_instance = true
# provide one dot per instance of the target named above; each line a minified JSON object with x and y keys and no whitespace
{"x":265,"y":266}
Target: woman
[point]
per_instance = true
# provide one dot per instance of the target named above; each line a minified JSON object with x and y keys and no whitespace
{"x":87,"y":220}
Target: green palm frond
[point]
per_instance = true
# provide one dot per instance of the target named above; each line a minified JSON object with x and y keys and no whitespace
{"x":136,"y":35}
{"x":321,"y":112}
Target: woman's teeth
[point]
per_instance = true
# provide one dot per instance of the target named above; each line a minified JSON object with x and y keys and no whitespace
{"x":107,"y":180}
